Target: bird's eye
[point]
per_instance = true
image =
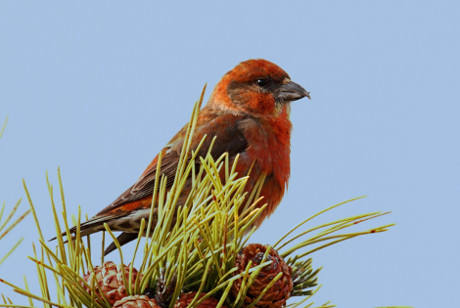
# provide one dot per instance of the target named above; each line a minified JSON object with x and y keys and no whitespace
{"x":262,"y":82}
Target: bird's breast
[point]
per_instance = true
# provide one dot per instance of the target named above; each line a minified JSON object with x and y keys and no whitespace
{"x":269,"y":151}
{"x":269,"y":146}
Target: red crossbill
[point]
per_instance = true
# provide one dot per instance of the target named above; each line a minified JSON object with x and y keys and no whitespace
{"x":248,"y":112}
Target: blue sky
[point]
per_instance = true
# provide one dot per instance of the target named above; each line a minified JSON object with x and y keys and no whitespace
{"x":98,"y":88}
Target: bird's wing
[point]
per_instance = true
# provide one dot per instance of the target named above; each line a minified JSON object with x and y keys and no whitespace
{"x":143,"y":187}
{"x":230,"y":139}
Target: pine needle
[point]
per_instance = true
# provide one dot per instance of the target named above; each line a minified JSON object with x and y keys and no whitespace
{"x":188,"y":247}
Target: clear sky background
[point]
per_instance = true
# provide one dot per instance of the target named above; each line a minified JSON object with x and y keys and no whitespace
{"x":98,"y":88}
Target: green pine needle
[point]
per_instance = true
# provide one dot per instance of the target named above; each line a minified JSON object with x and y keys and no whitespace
{"x":192,"y":247}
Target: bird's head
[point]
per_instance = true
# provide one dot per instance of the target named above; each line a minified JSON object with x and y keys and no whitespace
{"x":257,"y":88}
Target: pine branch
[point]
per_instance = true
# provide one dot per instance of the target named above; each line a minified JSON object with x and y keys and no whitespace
{"x":196,"y":247}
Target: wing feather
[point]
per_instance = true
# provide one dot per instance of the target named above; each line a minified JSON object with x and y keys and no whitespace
{"x":230,"y":138}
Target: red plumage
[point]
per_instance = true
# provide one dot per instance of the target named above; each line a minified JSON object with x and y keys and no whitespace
{"x":248,"y":112}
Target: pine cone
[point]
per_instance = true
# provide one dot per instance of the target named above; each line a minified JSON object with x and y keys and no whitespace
{"x":277,"y":295}
{"x":186,"y":298}
{"x":136,"y":301}
{"x":110,"y":280}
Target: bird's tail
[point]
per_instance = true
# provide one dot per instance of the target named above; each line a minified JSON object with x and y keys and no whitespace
{"x":93,"y":225}
{"x":123,"y":238}
{"x":128,"y":223}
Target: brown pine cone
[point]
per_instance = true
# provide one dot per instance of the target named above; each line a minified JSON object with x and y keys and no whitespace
{"x":186,"y":298}
{"x":110,"y":280}
{"x":277,"y":295}
{"x":136,"y":301}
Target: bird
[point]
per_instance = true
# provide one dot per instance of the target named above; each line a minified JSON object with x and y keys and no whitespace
{"x":248,"y":112}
